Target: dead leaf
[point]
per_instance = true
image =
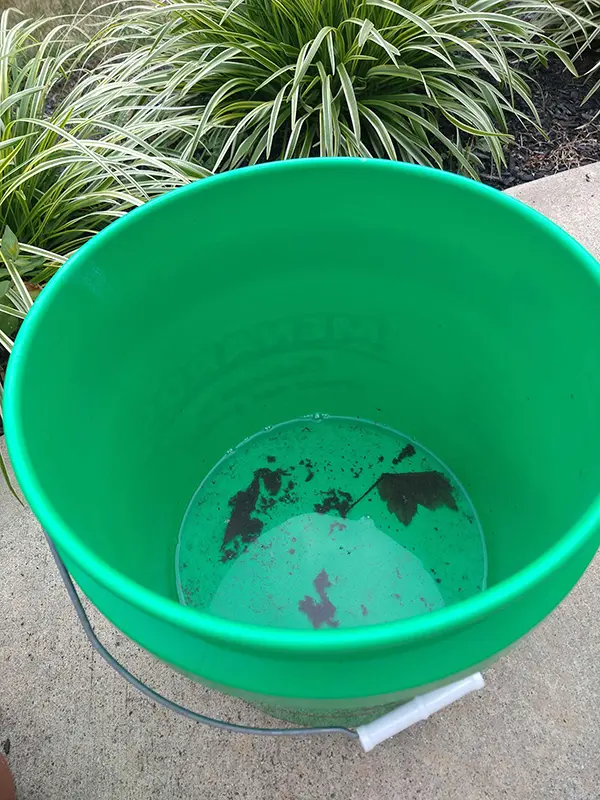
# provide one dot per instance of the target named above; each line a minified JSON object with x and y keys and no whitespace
{"x":404,"y":492}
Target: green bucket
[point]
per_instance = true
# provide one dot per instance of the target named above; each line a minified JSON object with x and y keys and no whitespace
{"x":364,"y":289}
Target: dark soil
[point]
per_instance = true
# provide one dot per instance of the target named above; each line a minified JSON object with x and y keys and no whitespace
{"x":573,"y":135}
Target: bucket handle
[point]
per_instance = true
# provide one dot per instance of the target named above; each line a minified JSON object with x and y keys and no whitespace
{"x":155,"y":696}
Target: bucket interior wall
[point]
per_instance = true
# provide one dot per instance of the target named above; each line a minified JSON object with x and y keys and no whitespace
{"x":188,"y":328}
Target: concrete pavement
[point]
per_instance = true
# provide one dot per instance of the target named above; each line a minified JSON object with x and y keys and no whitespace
{"x":75,"y":731}
{"x":571,"y":199}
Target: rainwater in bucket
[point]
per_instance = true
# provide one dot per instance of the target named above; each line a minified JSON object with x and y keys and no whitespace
{"x":328,"y":521}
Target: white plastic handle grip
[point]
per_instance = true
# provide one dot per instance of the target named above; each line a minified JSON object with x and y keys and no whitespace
{"x":416,"y":710}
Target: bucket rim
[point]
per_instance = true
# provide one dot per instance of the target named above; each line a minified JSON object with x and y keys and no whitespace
{"x":221,"y":630}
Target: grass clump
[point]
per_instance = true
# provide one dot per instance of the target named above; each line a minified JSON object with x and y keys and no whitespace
{"x":425,"y":81}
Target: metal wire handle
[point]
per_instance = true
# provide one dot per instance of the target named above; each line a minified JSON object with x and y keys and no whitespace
{"x":158,"y":698}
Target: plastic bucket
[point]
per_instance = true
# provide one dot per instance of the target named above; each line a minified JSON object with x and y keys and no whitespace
{"x":361,"y":288}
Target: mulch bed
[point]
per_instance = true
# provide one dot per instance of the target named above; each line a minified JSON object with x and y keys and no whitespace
{"x":573,"y":133}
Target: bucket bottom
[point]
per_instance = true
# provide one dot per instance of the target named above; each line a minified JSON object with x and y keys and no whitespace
{"x":321,"y":718}
{"x":329,"y":522}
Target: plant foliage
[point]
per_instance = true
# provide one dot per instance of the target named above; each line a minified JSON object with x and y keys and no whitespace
{"x":426,"y":81}
{"x":74,"y":152}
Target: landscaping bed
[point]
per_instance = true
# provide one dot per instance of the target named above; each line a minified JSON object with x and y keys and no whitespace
{"x":573,"y":135}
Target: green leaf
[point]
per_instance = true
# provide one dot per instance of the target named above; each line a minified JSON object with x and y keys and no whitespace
{"x":12,"y":312}
{"x":305,"y":59}
{"x":30,"y":263}
{"x":231,"y":9}
{"x":327,"y":118}
{"x":6,"y":476}
{"x":380,"y":129}
{"x":4,"y":287}
{"x":6,"y":341}
{"x":395,"y":8}
{"x":350,"y":96}
{"x":331,"y":48}
{"x":375,"y":36}
{"x":365,"y":29}
{"x":10,"y":245}
{"x":274,"y":119}
{"x":290,"y":151}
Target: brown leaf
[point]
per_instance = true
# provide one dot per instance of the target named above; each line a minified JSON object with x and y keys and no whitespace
{"x":403,"y":493}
